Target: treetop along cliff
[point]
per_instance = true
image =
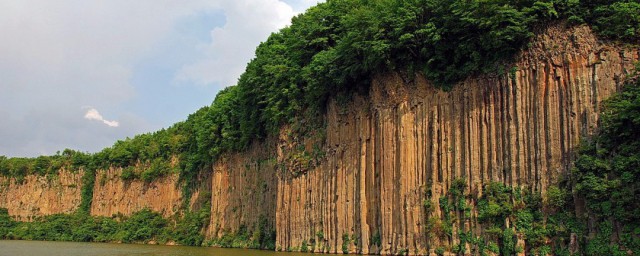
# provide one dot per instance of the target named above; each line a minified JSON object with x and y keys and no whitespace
{"x":334,"y":49}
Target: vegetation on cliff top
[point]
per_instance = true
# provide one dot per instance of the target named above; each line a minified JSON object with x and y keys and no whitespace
{"x":333,"y":48}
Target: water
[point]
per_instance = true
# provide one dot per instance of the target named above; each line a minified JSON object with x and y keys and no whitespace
{"x":24,"y":248}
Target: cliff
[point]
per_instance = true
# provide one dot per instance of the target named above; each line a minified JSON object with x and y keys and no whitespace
{"x":113,"y":195}
{"x":41,"y":195}
{"x":385,"y":154}
{"x":243,"y":192}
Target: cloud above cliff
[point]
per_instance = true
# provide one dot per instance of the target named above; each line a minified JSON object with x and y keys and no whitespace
{"x":145,"y":63}
{"x":93,"y":114}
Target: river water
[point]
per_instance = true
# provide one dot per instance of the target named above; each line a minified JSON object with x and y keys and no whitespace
{"x":24,"y":248}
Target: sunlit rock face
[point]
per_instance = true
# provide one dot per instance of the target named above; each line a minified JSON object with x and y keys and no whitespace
{"x":41,"y":195}
{"x":385,"y":151}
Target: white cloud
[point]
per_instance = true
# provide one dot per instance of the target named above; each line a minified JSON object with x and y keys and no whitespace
{"x":301,"y":5}
{"x":232,"y":46}
{"x":309,"y":3}
{"x":93,"y":114}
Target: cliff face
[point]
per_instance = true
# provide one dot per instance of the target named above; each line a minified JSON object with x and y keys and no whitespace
{"x":113,"y":195}
{"x":385,"y":154}
{"x":243,"y":192}
{"x":387,"y":151}
{"x":41,"y":195}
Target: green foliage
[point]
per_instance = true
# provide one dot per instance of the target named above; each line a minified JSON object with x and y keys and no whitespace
{"x":493,"y":247}
{"x":158,"y":168}
{"x":188,"y":229}
{"x":141,"y":226}
{"x":345,"y":243}
{"x":501,"y":204}
{"x":601,"y":244}
{"x":495,"y":205}
{"x":618,"y":19}
{"x":556,"y":197}
{"x":128,"y":173}
{"x":86,"y":195}
{"x":447,"y":225}
{"x":19,"y":167}
{"x":262,"y":236}
{"x":267,"y":234}
{"x":508,"y":242}
{"x":6,"y":223}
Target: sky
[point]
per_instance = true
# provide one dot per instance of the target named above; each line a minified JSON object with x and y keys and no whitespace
{"x":83,"y":74}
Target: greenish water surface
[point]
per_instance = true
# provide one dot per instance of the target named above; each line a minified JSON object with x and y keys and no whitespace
{"x":24,"y":248}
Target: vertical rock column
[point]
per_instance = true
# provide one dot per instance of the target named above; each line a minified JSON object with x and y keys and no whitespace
{"x":243,"y":192}
{"x":41,"y":195}
{"x":406,"y":139}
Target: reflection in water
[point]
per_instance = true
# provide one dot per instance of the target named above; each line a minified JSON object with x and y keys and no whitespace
{"x":24,"y":248}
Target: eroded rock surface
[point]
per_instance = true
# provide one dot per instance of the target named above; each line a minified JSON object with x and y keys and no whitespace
{"x":41,"y":195}
{"x":385,"y":151}
{"x":243,"y":192}
{"x":112,"y":195}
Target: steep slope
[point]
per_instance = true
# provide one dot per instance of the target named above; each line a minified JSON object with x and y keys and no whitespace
{"x":406,"y":142}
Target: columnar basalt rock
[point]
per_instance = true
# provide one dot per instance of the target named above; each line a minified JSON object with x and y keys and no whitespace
{"x":37,"y":196}
{"x":112,"y":195}
{"x":385,"y":155}
{"x":243,"y":192}
{"x":406,"y":138}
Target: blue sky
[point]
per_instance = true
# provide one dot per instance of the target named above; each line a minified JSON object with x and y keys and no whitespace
{"x":82,"y":74}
